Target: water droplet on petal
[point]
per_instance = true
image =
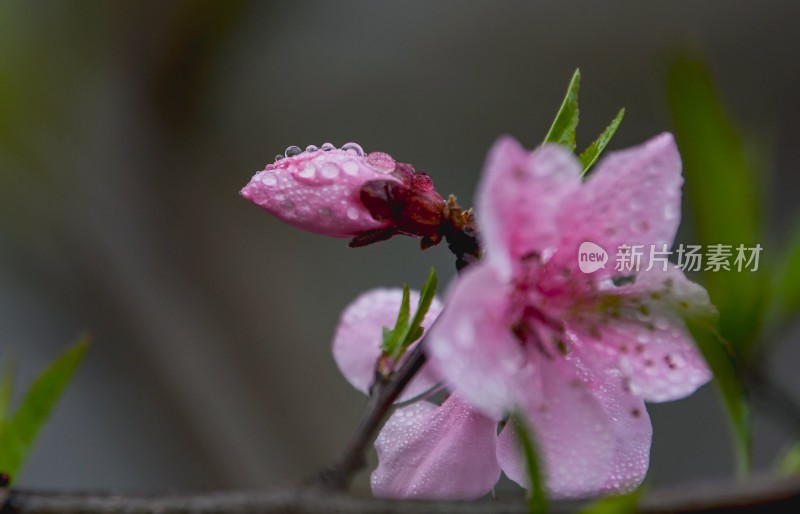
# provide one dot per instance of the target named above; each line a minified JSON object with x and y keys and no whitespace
{"x":355,"y":147}
{"x":327,"y":147}
{"x":351,"y":168}
{"x":352,"y":213}
{"x":269,"y":179}
{"x":307,"y":171}
{"x":329,"y":170}
{"x":278,"y":157}
{"x":292,"y":151}
{"x":311,"y":148}
{"x":381,"y":162}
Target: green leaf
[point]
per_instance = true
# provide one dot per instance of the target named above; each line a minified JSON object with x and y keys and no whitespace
{"x":785,"y":296}
{"x":723,"y":192}
{"x":425,"y":298}
{"x":562,"y":131}
{"x":21,"y":430}
{"x":590,"y":155}
{"x":537,"y":499}
{"x":728,"y":378}
{"x":623,"y":504}
{"x":393,"y":339}
{"x":397,"y":341}
{"x":789,"y":463}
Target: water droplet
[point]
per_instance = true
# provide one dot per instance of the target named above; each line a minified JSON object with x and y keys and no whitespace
{"x":269,"y":179}
{"x":351,"y":168}
{"x":352,"y":213}
{"x":355,"y":147}
{"x":311,"y":148}
{"x":327,"y":147}
{"x":292,"y":151}
{"x":307,"y":171}
{"x":329,"y":170}
{"x":278,"y":157}
{"x":381,"y":162}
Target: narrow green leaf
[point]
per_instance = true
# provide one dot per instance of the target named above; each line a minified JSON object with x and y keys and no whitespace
{"x":397,"y":341}
{"x":727,"y":376}
{"x":562,"y":131}
{"x":425,"y":298}
{"x":623,"y":504}
{"x":785,"y":296}
{"x":789,"y":463}
{"x":537,"y":499}
{"x":723,"y":192}
{"x":590,"y":155}
{"x":393,"y":339}
{"x":21,"y":430}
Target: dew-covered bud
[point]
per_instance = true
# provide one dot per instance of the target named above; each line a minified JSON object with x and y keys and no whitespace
{"x":319,"y":189}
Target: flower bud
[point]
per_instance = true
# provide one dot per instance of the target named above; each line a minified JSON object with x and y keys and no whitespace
{"x":319,"y":189}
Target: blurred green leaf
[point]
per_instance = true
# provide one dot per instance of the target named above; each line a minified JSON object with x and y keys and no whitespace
{"x":537,"y":498}
{"x":20,"y":430}
{"x":789,"y":463}
{"x":722,"y":192}
{"x":622,"y":504}
{"x":590,"y":155}
{"x":562,"y":131}
{"x":728,"y":378}
{"x":397,"y":340}
{"x":785,"y":296}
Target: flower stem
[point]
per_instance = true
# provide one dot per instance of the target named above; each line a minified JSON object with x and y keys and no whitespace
{"x":462,"y":238}
{"x":383,"y":394}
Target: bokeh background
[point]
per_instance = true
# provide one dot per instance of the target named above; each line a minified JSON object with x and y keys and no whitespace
{"x":127,"y":129}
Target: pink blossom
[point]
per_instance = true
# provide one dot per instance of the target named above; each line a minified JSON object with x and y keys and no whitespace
{"x":577,"y":354}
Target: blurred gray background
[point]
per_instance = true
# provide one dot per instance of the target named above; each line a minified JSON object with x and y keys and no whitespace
{"x":127,"y":129}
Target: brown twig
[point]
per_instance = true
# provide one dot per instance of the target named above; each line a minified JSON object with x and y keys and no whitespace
{"x":383,"y":394}
{"x":762,"y":494}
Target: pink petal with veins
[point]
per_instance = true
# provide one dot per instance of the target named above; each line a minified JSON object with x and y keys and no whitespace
{"x":518,"y":198}
{"x":446,"y":452}
{"x":633,"y":197}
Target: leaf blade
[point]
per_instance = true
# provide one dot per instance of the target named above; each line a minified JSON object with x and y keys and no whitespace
{"x":589,"y":156}
{"x":721,"y":189}
{"x":537,"y":499}
{"x":727,"y":376}
{"x":21,"y":430}
{"x":562,"y":131}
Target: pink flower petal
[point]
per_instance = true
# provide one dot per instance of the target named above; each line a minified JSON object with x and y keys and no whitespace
{"x":633,"y":197}
{"x":573,"y":431}
{"x":472,"y":346}
{"x":518,"y":199}
{"x":319,"y":190}
{"x":357,"y":342}
{"x":446,"y":452}
{"x":643,"y":335}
